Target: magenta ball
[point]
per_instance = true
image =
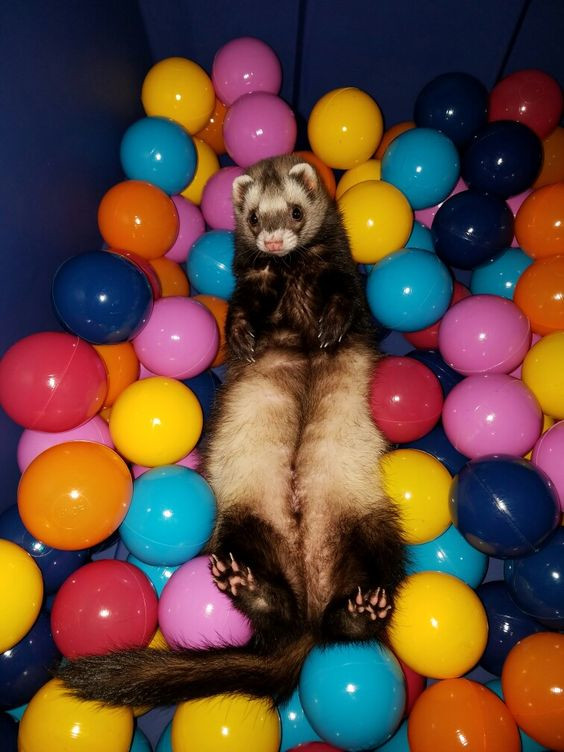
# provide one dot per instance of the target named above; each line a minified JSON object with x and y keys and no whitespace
{"x":492,"y":414}
{"x":217,"y":202}
{"x":32,"y":443}
{"x":484,"y":334}
{"x":194,"y":613}
{"x":180,"y":339}
{"x":245,"y":65}
{"x":190,"y":226}
{"x":258,"y":126}
{"x":192,"y":461}
{"x":548,"y":454}
{"x":426,"y":216}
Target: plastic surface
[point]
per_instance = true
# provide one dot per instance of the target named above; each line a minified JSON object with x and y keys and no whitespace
{"x":209,"y":264}
{"x":244,"y":65}
{"x":22,"y":593}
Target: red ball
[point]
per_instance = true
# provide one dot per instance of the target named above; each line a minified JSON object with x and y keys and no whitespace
{"x":145,"y":267}
{"x":414,"y":685}
{"x":52,"y":381}
{"x":428,"y":338}
{"x":105,"y":605}
{"x":406,"y":399}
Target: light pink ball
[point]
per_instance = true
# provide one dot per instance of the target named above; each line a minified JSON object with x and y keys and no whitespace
{"x":484,"y":334}
{"x":426,"y":216}
{"x":32,"y":443}
{"x":245,"y":65}
{"x":190,"y":226}
{"x":194,"y":613}
{"x":217,"y":201}
{"x":191,"y":460}
{"x":492,"y":414}
{"x":548,"y":455}
{"x":180,"y":339}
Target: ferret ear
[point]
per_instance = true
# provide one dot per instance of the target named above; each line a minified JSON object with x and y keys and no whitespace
{"x":307,"y":174}
{"x":240,"y":187}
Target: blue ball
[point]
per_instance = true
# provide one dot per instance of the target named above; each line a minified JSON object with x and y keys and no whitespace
{"x":140,"y":743}
{"x":437,"y":444}
{"x":470,"y":228}
{"x":159,"y":151}
{"x":536,"y":582}
{"x":353,"y":694}
{"x":204,"y":386}
{"x":500,"y":275}
{"x":423,"y":164}
{"x":8,"y":733}
{"x":165,"y":740}
{"x":18,"y":712}
{"x":210,"y":264}
{"x":409,"y":290}
{"x":171,"y":516}
{"x":421,"y":237}
{"x":102,"y":297}
{"x":449,"y":553}
{"x":447,"y":376}
{"x":504,"y":506}
{"x":507,"y":624}
{"x":294,"y":727}
{"x":502,"y":158}
{"x":399,"y":742}
{"x":527,"y":744}
{"x":159,"y":576}
{"x":454,"y":103}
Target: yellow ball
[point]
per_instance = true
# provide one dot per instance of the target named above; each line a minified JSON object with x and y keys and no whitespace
{"x":378,"y":220}
{"x":208,"y":165}
{"x":419,"y":484}
{"x":54,"y":721}
{"x":438,"y":626}
{"x":226,"y":723}
{"x":369,"y":170}
{"x":543,"y":373}
{"x":345,"y":127}
{"x":21,"y":586}
{"x":178,"y":88}
{"x":156,"y":421}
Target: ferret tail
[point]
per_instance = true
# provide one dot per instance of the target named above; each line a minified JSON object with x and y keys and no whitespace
{"x":148,"y":676}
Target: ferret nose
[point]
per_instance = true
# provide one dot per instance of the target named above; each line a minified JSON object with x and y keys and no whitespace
{"x":273,"y":245}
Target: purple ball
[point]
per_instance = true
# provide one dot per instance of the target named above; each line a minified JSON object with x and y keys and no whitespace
{"x":245,"y":65}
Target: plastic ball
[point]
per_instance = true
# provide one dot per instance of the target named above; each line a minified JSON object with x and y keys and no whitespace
{"x":244,"y":65}
{"x":295,"y":729}
{"x":459,"y":714}
{"x":492,"y":414}
{"x":179,"y":89}
{"x":421,"y":238}
{"x":74,"y":495}
{"x":540,"y":294}
{"x":409,"y":290}
{"x":257,"y":126}
{"x":490,"y":504}
{"x":527,"y":744}
{"x":160,"y":151}
{"x":455,"y":104}
{"x":390,"y":134}
{"x":418,"y":484}
{"x":144,"y":266}
{"x":140,"y":742}
{"x":345,"y":127}
{"x":542,"y":369}
{"x":9,"y":732}
{"x":448,"y":378}
{"x":191,"y":461}
{"x":426,"y":216}
{"x":436,"y":444}
{"x":552,"y":170}
{"x":423,"y":164}
{"x":396,"y":743}
{"x":194,"y":613}
{"x":122,"y":366}
{"x":51,"y":381}
{"x":190,"y":226}
{"x":539,"y":222}
{"x":547,"y":455}
{"x":533,"y":687}
{"x":164,"y":743}
{"x":22,"y":593}
{"x":226,"y":723}
{"x":369,"y":170}
{"x":208,"y":165}
{"x":353,"y":694}
{"x":500,"y":275}
{"x":315,"y":747}
{"x":218,"y":308}
{"x":428,"y":337}
{"x":156,"y":421}
{"x":158,"y":576}
{"x":217,"y":202}
{"x":528,"y":96}
{"x":470,"y":228}
{"x":210,"y":264}
{"x":414,"y":685}
{"x":172,"y":278}
{"x":406,"y":398}
{"x":326,"y":173}
{"x":205,"y":386}
{"x":55,"y":720}
{"x":212,"y":132}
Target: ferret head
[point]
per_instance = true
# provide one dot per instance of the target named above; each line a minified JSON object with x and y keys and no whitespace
{"x":279,"y":205}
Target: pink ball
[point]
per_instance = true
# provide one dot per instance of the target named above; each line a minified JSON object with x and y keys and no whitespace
{"x":191,"y":460}
{"x":514,"y":203}
{"x":426,"y":216}
{"x":547,"y":455}
{"x":190,"y":226}
{"x":217,"y":202}
{"x":484,"y":334}
{"x":518,"y":371}
{"x":180,"y":339}
{"x":492,"y":414}
{"x":194,"y":613}
{"x":32,"y":443}
{"x":258,"y":126}
{"x":245,"y":65}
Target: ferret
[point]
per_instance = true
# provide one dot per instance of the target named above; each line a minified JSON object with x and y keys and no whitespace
{"x":306,"y":544}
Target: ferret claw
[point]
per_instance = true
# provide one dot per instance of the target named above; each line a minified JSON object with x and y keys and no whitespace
{"x":372,"y":602}
{"x":230,"y":576}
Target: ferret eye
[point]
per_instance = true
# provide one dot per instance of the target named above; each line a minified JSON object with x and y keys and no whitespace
{"x":297,"y":213}
{"x":253,"y":219}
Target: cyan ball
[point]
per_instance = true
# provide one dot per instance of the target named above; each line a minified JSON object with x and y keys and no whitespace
{"x":140,"y":743}
{"x":294,"y":727}
{"x":158,"y":575}
{"x":159,"y":151}
{"x":421,"y":237}
{"x":500,"y":275}
{"x":210,"y":264}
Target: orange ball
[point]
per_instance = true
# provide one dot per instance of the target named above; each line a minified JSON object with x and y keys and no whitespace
{"x":139,"y":217}
{"x":553,"y":159}
{"x":212,"y":132}
{"x":74,"y":495}
{"x":218,"y":308}
{"x":172,"y":277}
{"x":539,"y":293}
{"x":327,"y":174}
{"x":392,"y":132}
{"x":459,"y":714}
{"x":533,"y":687}
{"x":122,"y":366}
{"x":539,"y":224}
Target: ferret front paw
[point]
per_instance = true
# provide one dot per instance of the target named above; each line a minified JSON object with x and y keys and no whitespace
{"x":335,"y":322}
{"x":241,"y":340}
{"x":372,"y":603}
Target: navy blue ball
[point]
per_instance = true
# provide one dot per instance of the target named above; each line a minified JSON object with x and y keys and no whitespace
{"x":55,"y":565}
{"x":436,"y":443}
{"x":204,"y":386}
{"x":503,"y":158}
{"x":28,"y":664}
{"x":507,"y":624}
{"x":447,"y":376}
{"x":8,"y":733}
{"x":102,"y":297}
{"x":504,"y":506}
{"x":454,"y":103}
{"x":536,"y":582}
{"x":470,"y":228}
